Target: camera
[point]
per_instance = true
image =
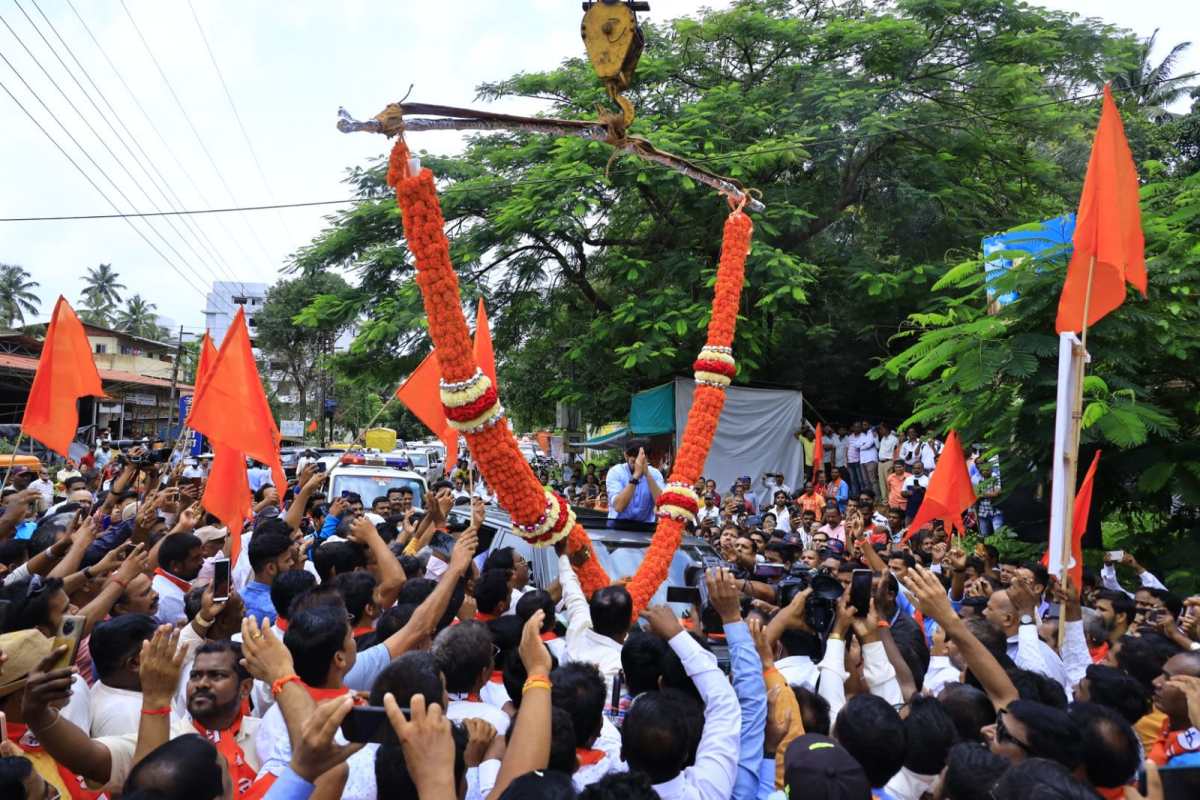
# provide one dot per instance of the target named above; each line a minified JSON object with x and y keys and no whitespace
{"x":820,"y":610}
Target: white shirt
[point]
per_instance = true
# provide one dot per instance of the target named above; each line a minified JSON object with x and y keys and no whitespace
{"x":121,"y":749}
{"x":170,"y":603}
{"x":45,"y":488}
{"x":1029,"y":652}
{"x":274,"y":750}
{"x":887,"y":447}
{"x":783,"y":518}
{"x":115,"y":712}
{"x":583,"y":643}
{"x":459,"y":710}
{"x":798,"y":671}
{"x":868,"y":447}
{"x":707,"y":513}
{"x":258,"y":477}
{"x":841,"y":444}
{"x":715,"y":769}
{"x":940,"y":672}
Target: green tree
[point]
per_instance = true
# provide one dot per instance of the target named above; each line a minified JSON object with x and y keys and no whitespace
{"x":299,"y":349}
{"x":882,"y":137}
{"x":993,"y":376}
{"x":96,"y":311}
{"x":137,"y":317}
{"x":101,"y":289}
{"x":17,"y":297}
{"x":1151,"y":84}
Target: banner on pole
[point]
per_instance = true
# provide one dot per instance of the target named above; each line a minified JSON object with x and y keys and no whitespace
{"x":194,"y":442}
{"x":1069,"y":371}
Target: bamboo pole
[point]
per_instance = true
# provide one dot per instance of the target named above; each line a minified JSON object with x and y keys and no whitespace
{"x":1072,"y":455}
{"x":13,"y":459}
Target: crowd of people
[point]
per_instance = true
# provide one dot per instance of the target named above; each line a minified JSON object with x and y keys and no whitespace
{"x":361,"y":647}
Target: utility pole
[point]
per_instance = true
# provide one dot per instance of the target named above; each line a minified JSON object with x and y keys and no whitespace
{"x":175,"y":382}
{"x":321,"y":402}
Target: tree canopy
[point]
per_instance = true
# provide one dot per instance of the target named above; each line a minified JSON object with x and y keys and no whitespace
{"x":883,"y":139}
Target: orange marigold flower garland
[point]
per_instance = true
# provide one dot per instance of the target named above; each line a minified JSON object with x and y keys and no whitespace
{"x":714,"y":368}
{"x":472,"y":404}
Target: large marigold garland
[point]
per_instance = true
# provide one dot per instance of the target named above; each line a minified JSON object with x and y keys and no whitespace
{"x":473,"y":407}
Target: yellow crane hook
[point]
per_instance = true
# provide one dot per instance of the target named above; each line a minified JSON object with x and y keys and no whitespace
{"x":614,"y":43}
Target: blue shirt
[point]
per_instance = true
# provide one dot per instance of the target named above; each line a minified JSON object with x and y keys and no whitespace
{"x":641,"y":505}
{"x":257,"y":599}
{"x":751,"y":692}
{"x":289,"y":786}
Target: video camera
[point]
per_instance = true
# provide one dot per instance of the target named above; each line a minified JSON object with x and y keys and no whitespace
{"x":820,"y":610}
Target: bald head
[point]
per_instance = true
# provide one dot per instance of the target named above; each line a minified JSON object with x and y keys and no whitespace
{"x":1001,"y":613}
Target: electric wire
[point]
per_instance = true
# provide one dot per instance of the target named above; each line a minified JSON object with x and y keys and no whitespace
{"x":158,"y":180}
{"x":121,"y":164}
{"x":195,"y":132}
{"x":150,"y":122}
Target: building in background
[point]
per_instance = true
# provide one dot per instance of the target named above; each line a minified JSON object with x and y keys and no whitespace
{"x":222,"y":303}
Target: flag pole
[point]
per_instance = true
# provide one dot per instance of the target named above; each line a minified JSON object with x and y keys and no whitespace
{"x":1079,"y":355}
{"x":13,"y":459}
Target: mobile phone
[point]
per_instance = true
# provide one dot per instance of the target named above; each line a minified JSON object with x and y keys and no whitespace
{"x":370,"y":724}
{"x":770,"y":571}
{"x":1115,"y":555}
{"x":321,"y":466}
{"x":618,"y":680}
{"x":70,"y":631}
{"x":860,"y":591}
{"x":220,"y":581}
{"x":684,"y":594}
{"x":3,"y":727}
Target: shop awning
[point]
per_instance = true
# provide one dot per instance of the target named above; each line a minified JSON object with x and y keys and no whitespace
{"x":615,"y":438}
{"x":652,"y":412}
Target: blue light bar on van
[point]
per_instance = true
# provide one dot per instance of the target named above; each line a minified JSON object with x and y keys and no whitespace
{"x":376,"y":460}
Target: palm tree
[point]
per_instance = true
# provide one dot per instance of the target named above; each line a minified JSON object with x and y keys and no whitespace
{"x":16,"y":296}
{"x":100,"y":287}
{"x":94,"y":311}
{"x":138,"y":318}
{"x":1149,"y":85}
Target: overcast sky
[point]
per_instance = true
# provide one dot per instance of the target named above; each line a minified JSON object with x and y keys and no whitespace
{"x":288,"y":67}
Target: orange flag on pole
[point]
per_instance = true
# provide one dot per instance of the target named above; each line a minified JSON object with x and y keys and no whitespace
{"x":1079,"y":523}
{"x":949,"y":493}
{"x":485,"y":356}
{"x":227,"y":493}
{"x":231,"y":408}
{"x":818,"y":451}
{"x":1108,"y":229}
{"x":66,"y":372}
{"x":204,"y":364}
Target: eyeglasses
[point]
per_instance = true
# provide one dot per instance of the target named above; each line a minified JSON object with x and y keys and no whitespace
{"x":1004,"y":735}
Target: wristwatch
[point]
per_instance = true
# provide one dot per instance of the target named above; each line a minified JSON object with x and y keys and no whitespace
{"x":1026,"y":619}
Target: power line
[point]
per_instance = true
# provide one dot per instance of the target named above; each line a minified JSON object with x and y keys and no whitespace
{"x":162,"y":185}
{"x":233,"y":107}
{"x":500,"y":184}
{"x":94,"y":132}
{"x":195,"y":132}
{"x":149,"y":121}
{"x":88,"y":178}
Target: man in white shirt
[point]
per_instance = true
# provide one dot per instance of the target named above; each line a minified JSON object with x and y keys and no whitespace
{"x":180,"y":555}
{"x":1012,"y":612}
{"x":44,"y":486}
{"x":889,"y":445}
{"x":782,"y":511}
{"x":653,"y":741}
{"x":464,"y":655}
{"x":868,"y":458}
{"x":840,"y":447}
{"x":710,"y":511}
{"x":116,"y":697}
{"x":595,"y":630}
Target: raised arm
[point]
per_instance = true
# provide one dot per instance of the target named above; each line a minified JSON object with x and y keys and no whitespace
{"x":389,"y":574}
{"x":529,"y":747}
{"x":934,"y":604}
{"x":45,"y":692}
{"x":309,"y":481}
{"x":159,"y":670}
{"x":429,"y":612}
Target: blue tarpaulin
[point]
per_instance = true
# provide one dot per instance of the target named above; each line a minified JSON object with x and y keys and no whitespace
{"x":1037,"y":240}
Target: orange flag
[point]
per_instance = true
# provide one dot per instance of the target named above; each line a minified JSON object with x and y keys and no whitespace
{"x":65,"y":373}
{"x":231,"y":408}
{"x":950,"y":492}
{"x":1079,"y":523}
{"x":485,"y":356}
{"x":422,"y":391}
{"x":818,"y":452}
{"x":204,"y":364}
{"x":312,"y":426}
{"x":1108,"y":228}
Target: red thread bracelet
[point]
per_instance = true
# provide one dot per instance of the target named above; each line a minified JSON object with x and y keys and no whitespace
{"x":156,"y":712}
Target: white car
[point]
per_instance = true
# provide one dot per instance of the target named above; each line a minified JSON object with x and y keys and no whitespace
{"x":371,"y":475}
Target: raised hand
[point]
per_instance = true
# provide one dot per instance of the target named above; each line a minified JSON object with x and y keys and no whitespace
{"x":316,"y":752}
{"x":263,"y":654}
{"x":532,"y":649}
{"x":427,"y":744}
{"x":464,"y":550}
{"x":161,"y":663}
{"x":46,"y":689}
{"x":931,"y":596}
{"x":480,"y":735}
{"x":663,"y":622}
{"x":724,"y":596}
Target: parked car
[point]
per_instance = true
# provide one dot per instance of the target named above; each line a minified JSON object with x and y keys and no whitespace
{"x":370,"y":475}
{"x":424,"y":462}
{"x":620,"y":552}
